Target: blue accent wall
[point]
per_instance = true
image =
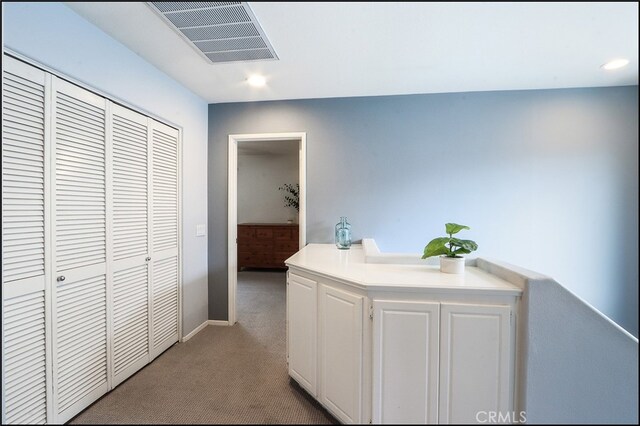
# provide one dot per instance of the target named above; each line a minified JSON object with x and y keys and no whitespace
{"x":546,"y":179}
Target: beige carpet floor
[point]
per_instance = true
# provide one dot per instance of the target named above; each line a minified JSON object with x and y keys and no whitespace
{"x":222,"y":375}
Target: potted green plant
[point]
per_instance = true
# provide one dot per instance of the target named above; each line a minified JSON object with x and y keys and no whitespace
{"x":291,"y":196}
{"x":450,"y":248}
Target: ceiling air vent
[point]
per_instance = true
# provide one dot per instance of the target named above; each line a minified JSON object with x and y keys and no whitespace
{"x":220,"y":31}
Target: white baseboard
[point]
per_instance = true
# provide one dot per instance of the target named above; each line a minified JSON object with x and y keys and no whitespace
{"x":203,"y":325}
{"x":195,"y":331}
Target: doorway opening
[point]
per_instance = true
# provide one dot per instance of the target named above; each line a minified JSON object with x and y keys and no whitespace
{"x":263,"y":142}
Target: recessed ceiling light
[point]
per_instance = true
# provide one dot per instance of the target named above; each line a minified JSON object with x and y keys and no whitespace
{"x":615,"y":64}
{"x":257,"y":80}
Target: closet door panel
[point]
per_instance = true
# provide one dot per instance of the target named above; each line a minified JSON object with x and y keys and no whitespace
{"x":24,"y":359}
{"x":80,"y":187}
{"x":165,"y":303}
{"x":130,"y":321}
{"x":24,"y":237}
{"x":130,"y":184}
{"x":130,"y":242}
{"x":23,"y":169}
{"x":81,"y":342}
{"x":80,"y":328}
{"x":164,"y":238}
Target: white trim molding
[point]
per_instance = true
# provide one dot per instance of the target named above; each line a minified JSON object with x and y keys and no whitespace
{"x":195,"y":331}
{"x":202,"y":326}
{"x":232,"y":221}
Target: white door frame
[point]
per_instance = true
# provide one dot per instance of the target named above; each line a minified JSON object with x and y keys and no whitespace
{"x":232,"y":230}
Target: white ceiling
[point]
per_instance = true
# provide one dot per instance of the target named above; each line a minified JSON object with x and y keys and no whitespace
{"x":364,"y":49}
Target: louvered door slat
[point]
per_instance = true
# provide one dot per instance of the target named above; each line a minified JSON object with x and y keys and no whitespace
{"x":130,"y":236}
{"x":24,"y":118}
{"x":30,"y":410}
{"x":76,"y":139}
{"x":20,"y":87}
{"x":24,"y":357}
{"x":27,"y":382}
{"x":30,"y":110}
{"x":80,"y":141}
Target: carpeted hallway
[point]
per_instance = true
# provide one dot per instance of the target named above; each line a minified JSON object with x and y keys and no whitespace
{"x":222,"y":375}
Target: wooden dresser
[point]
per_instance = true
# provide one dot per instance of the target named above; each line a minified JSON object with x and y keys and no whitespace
{"x":266,"y":245}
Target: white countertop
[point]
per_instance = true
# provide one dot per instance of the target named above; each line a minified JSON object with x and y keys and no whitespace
{"x":349,"y":266}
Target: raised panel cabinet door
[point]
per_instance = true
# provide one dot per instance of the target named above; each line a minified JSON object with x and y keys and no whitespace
{"x":164,"y":274}
{"x":405,"y":361}
{"x":341,"y":347}
{"x":79,"y":302}
{"x":24,"y":239}
{"x":302,"y":331}
{"x":475,"y":364}
{"x":130,"y":236}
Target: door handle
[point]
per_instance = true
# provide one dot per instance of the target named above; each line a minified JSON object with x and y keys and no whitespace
{"x":61,"y":278}
{"x":147,"y":259}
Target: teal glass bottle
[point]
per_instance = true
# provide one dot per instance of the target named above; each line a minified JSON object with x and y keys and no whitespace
{"x":343,"y":234}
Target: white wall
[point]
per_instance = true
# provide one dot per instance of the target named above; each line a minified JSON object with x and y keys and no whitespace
{"x":259,"y":177}
{"x":55,"y":36}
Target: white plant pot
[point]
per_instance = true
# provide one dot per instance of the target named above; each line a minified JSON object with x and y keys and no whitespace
{"x":452,"y":265}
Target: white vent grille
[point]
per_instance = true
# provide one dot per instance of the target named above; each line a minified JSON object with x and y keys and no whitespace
{"x":219,"y":31}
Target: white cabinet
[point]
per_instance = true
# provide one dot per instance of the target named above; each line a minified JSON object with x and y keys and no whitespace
{"x":302,"y":327}
{"x":341,"y":350}
{"x":475,"y":361}
{"x":440,"y":362}
{"x":398,"y":344}
{"x":325,"y":344}
{"x":405,"y":361}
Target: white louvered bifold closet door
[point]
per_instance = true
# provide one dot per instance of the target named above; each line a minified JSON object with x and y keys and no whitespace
{"x":164,"y":238}
{"x":90,"y":244}
{"x":80,"y":328}
{"x":24,"y":238}
{"x":130,"y":242}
